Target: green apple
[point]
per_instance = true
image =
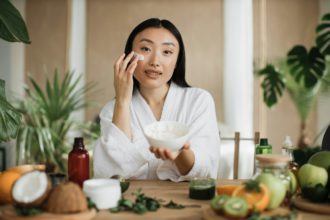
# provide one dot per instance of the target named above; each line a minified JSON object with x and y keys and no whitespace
{"x":320,"y":159}
{"x":310,"y":175}
{"x":293,"y":183}
{"x":276,"y":187}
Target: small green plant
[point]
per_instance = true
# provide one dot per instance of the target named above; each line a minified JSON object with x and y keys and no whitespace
{"x":304,"y":74}
{"x":47,"y":119}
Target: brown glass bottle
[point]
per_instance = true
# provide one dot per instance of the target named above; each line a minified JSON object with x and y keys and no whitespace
{"x":78,"y":163}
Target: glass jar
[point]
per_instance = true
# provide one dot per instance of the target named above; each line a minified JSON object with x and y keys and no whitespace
{"x":202,"y":188}
{"x":277,"y":165}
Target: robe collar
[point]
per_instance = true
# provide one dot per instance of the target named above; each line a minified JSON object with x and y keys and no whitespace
{"x":143,"y":110}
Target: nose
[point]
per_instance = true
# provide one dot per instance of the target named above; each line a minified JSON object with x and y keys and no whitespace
{"x":154,"y":60}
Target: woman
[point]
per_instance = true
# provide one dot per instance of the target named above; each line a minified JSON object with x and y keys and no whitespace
{"x":150,"y":86}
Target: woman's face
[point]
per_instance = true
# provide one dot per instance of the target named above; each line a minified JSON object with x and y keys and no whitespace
{"x":160,"y":50}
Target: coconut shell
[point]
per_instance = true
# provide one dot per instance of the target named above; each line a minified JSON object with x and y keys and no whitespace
{"x":66,"y":198}
{"x":38,"y":202}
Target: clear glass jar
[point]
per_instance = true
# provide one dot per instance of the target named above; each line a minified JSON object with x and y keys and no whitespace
{"x":278,"y":166}
{"x":202,"y":188}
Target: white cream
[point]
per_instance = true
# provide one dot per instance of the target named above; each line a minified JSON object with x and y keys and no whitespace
{"x":165,"y":131}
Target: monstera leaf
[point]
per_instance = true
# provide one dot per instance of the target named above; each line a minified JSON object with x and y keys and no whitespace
{"x":306,"y":68}
{"x":12,"y":26}
{"x":323,"y":35}
{"x":272,"y":85}
{"x":10,"y":118}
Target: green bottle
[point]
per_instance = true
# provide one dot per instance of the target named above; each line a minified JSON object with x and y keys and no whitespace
{"x":263,"y":147}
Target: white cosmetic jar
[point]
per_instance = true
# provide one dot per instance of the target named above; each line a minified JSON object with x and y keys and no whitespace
{"x":105,"y":193}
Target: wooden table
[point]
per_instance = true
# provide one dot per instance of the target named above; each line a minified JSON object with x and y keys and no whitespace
{"x":178,"y":192}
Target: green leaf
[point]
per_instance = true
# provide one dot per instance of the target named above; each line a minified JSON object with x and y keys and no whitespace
{"x":12,"y":25}
{"x":323,"y":35}
{"x":10,"y":118}
{"x":306,"y":68}
{"x":272,"y":85}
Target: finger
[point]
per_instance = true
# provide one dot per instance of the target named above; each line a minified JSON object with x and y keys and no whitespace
{"x":169,"y":154}
{"x":161,"y":153}
{"x":131,"y":69}
{"x":124,"y":64}
{"x":154,"y":151}
{"x":186,"y":146}
{"x":118,"y":62}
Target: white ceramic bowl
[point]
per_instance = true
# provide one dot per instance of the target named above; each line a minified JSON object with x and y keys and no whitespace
{"x":105,"y":193}
{"x":169,"y":134}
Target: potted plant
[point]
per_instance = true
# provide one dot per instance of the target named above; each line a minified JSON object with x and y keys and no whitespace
{"x":304,"y":74}
{"x":42,"y":137}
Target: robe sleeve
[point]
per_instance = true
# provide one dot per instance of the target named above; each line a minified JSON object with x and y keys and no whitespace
{"x":115,"y":153}
{"x":204,"y":141}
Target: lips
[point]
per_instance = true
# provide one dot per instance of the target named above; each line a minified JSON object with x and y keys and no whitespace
{"x":153,"y":73}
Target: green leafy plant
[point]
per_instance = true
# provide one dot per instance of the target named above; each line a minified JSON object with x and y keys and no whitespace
{"x":47,"y":119}
{"x":10,"y":117}
{"x":12,"y":29}
{"x":304,"y":74}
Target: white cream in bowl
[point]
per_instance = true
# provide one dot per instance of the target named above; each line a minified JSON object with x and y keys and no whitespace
{"x":168,"y":134}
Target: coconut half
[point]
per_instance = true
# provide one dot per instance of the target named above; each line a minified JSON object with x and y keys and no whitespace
{"x":31,"y":189}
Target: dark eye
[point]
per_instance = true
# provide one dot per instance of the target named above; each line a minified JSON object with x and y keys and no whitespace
{"x":168,"y":52}
{"x":146,"y":49}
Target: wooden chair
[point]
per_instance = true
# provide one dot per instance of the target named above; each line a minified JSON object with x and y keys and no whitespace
{"x":237,"y":142}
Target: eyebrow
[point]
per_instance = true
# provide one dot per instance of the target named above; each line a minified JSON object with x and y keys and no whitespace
{"x":150,"y":41}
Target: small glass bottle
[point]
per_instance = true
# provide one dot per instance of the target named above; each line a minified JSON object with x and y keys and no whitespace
{"x":287,"y":149}
{"x":277,"y":165}
{"x":78,"y":163}
{"x":263,"y":147}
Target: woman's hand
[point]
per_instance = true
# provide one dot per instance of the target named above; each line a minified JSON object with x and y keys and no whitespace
{"x":123,"y":80}
{"x":167,"y":154}
{"x":184,"y":159}
{"x":123,"y":77}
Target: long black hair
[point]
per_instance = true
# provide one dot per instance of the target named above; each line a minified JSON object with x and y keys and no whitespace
{"x":180,"y":69}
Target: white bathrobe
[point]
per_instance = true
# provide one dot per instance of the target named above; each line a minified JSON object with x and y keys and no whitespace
{"x":116,"y":154}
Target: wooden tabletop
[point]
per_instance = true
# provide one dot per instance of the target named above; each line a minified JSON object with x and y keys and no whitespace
{"x":178,"y":192}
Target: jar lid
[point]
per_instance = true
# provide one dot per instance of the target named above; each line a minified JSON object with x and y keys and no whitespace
{"x":272,"y":159}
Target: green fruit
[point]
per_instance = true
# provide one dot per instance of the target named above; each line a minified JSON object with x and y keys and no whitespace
{"x":310,"y":175}
{"x":235,"y":207}
{"x":218,"y":202}
{"x":277,"y":189}
{"x":293,"y":183}
{"x":320,"y":159}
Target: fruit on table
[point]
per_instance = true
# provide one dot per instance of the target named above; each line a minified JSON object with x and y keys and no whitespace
{"x":218,"y":203}
{"x":235,"y":207}
{"x":226,"y":189}
{"x":310,"y":175}
{"x":276,"y":187}
{"x":320,"y":159}
{"x":317,"y":193}
{"x":293,"y":182}
{"x":31,"y":189}
{"x":256,"y":195}
{"x":7,"y":179}
{"x":66,"y":198}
